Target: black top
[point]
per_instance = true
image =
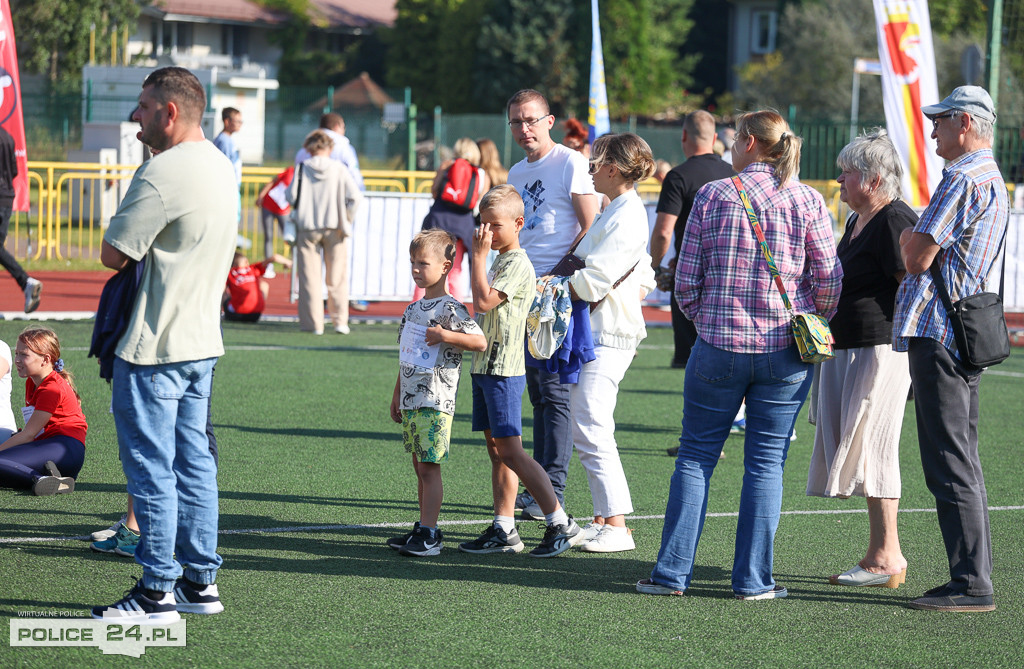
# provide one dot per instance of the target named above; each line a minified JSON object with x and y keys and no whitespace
{"x":681,"y":186}
{"x":8,"y":167}
{"x":864,"y":315}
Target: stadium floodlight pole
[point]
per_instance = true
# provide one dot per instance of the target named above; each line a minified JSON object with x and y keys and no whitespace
{"x":993,"y":53}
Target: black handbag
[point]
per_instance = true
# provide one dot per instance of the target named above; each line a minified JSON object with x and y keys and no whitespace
{"x":978,"y":322}
{"x":569,"y":263}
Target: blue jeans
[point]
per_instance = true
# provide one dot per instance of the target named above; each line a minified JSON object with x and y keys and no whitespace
{"x":160,"y":412}
{"x":552,"y":426}
{"x":774,"y":385}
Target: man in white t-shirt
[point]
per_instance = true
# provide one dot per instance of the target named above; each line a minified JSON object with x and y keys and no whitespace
{"x":175,"y":216}
{"x":334,"y":125}
{"x":560,"y":201}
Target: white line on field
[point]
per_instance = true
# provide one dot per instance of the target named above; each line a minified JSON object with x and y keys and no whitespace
{"x":479,"y":521}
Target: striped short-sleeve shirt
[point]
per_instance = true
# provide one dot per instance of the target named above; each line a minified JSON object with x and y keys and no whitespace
{"x":967,"y":218}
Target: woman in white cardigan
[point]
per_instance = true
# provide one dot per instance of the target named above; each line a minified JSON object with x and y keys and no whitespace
{"x":327,"y":198}
{"x":616,"y":277}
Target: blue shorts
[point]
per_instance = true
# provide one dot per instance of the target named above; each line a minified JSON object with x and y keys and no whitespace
{"x":498,"y":404}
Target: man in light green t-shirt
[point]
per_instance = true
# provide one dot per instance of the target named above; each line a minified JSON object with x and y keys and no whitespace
{"x":177,"y":219}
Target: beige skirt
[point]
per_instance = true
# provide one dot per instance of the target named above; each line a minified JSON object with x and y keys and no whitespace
{"x":861,"y":399}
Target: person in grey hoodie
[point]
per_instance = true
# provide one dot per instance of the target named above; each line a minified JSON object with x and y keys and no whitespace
{"x":324,"y":200}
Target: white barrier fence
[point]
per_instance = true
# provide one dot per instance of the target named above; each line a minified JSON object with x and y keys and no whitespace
{"x":379,"y":267}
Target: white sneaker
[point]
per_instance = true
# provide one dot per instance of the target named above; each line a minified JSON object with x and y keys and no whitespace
{"x":610,"y":540}
{"x":269,"y":273}
{"x":590,"y":531}
{"x":33,"y":287}
{"x":342,"y":329}
{"x":100,"y":535}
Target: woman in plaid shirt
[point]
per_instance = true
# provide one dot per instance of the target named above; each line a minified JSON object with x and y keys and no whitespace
{"x":745,"y":349}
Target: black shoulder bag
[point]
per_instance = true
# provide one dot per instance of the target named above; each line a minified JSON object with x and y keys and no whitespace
{"x":978,"y":322}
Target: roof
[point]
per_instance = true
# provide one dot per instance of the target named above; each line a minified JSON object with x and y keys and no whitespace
{"x":333,"y":13}
{"x":359,"y":92}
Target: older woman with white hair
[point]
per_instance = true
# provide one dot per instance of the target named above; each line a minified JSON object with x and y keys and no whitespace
{"x":862,"y":392}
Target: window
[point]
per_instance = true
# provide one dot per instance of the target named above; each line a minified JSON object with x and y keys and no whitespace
{"x":183,"y":37}
{"x":763,"y":24}
{"x":235,"y":40}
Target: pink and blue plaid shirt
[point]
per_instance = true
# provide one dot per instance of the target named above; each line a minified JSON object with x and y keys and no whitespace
{"x":722,"y":280}
{"x":967,"y":218}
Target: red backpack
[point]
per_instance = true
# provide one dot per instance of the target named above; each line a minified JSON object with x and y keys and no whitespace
{"x":461,"y":185}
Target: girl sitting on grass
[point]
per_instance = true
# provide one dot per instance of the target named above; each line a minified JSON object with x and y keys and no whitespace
{"x":47,"y":455}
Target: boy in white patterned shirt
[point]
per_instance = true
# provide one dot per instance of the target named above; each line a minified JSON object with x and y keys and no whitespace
{"x":435,"y":330}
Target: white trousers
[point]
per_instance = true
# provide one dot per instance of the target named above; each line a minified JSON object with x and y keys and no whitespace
{"x":592,"y":401}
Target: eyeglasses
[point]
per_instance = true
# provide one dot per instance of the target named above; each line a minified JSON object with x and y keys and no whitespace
{"x":526,"y":122}
{"x":594,"y":168}
{"x":935,"y":119}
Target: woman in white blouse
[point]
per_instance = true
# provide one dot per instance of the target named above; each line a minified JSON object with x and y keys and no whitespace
{"x":617,"y":276}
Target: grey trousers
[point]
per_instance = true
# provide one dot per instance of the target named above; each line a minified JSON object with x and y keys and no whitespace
{"x":946,"y":398}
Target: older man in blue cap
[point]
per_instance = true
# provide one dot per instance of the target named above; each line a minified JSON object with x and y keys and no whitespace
{"x":961,"y":232}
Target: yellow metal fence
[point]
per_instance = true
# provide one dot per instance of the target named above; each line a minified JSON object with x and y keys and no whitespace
{"x":70,"y":205}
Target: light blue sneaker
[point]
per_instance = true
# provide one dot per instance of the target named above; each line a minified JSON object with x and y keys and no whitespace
{"x":123,"y":543}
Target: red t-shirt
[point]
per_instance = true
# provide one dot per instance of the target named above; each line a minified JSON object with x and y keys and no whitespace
{"x":244,"y":287}
{"x":55,"y":397}
{"x":275,"y":200}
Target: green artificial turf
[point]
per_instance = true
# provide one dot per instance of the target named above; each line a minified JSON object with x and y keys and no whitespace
{"x":306,"y":442}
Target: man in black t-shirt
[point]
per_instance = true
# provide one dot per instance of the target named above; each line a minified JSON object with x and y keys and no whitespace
{"x":8,"y":171}
{"x":677,"y":193}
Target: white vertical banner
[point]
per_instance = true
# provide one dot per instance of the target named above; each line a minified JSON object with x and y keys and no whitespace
{"x":908,"y":83}
{"x":597,"y":118}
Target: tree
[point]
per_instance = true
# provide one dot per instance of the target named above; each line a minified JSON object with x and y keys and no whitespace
{"x":470,"y":55}
{"x":53,"y":35}
{"x":307,"y":58}
{"x":644,"y":72}
{"x":431,"y":49}
{"x":527,"y":44}
{"x":813,"y":67}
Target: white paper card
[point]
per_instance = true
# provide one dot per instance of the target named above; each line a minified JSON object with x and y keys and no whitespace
{"x":413,"y":348}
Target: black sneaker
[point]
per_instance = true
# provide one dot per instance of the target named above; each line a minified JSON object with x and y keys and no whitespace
{"x":195,"y":598}
{"x":140,"y":606}
{"x":558,"y":539}
{"x":494,"y":540}
{"x":422,"y":544}
{"x":944,"y":598}
{"x":398,"y":542}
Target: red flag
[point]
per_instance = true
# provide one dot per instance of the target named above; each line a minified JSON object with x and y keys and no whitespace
{"x":10,"y":104}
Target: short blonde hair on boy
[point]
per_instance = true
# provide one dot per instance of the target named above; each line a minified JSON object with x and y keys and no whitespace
{"x":439,"y":242}
{"x":503,"y":199}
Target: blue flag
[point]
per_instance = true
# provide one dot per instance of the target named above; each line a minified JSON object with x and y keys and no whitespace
{"x":597,"y":118}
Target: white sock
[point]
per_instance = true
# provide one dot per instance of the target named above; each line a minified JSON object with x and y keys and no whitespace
{"x":557,"y":517}
{"x":506,"y":523}
{"x":741,"y":414}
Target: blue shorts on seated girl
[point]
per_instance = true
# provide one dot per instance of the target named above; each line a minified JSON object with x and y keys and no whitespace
{"x":427,"y":433}
{"x":498,"y":404}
